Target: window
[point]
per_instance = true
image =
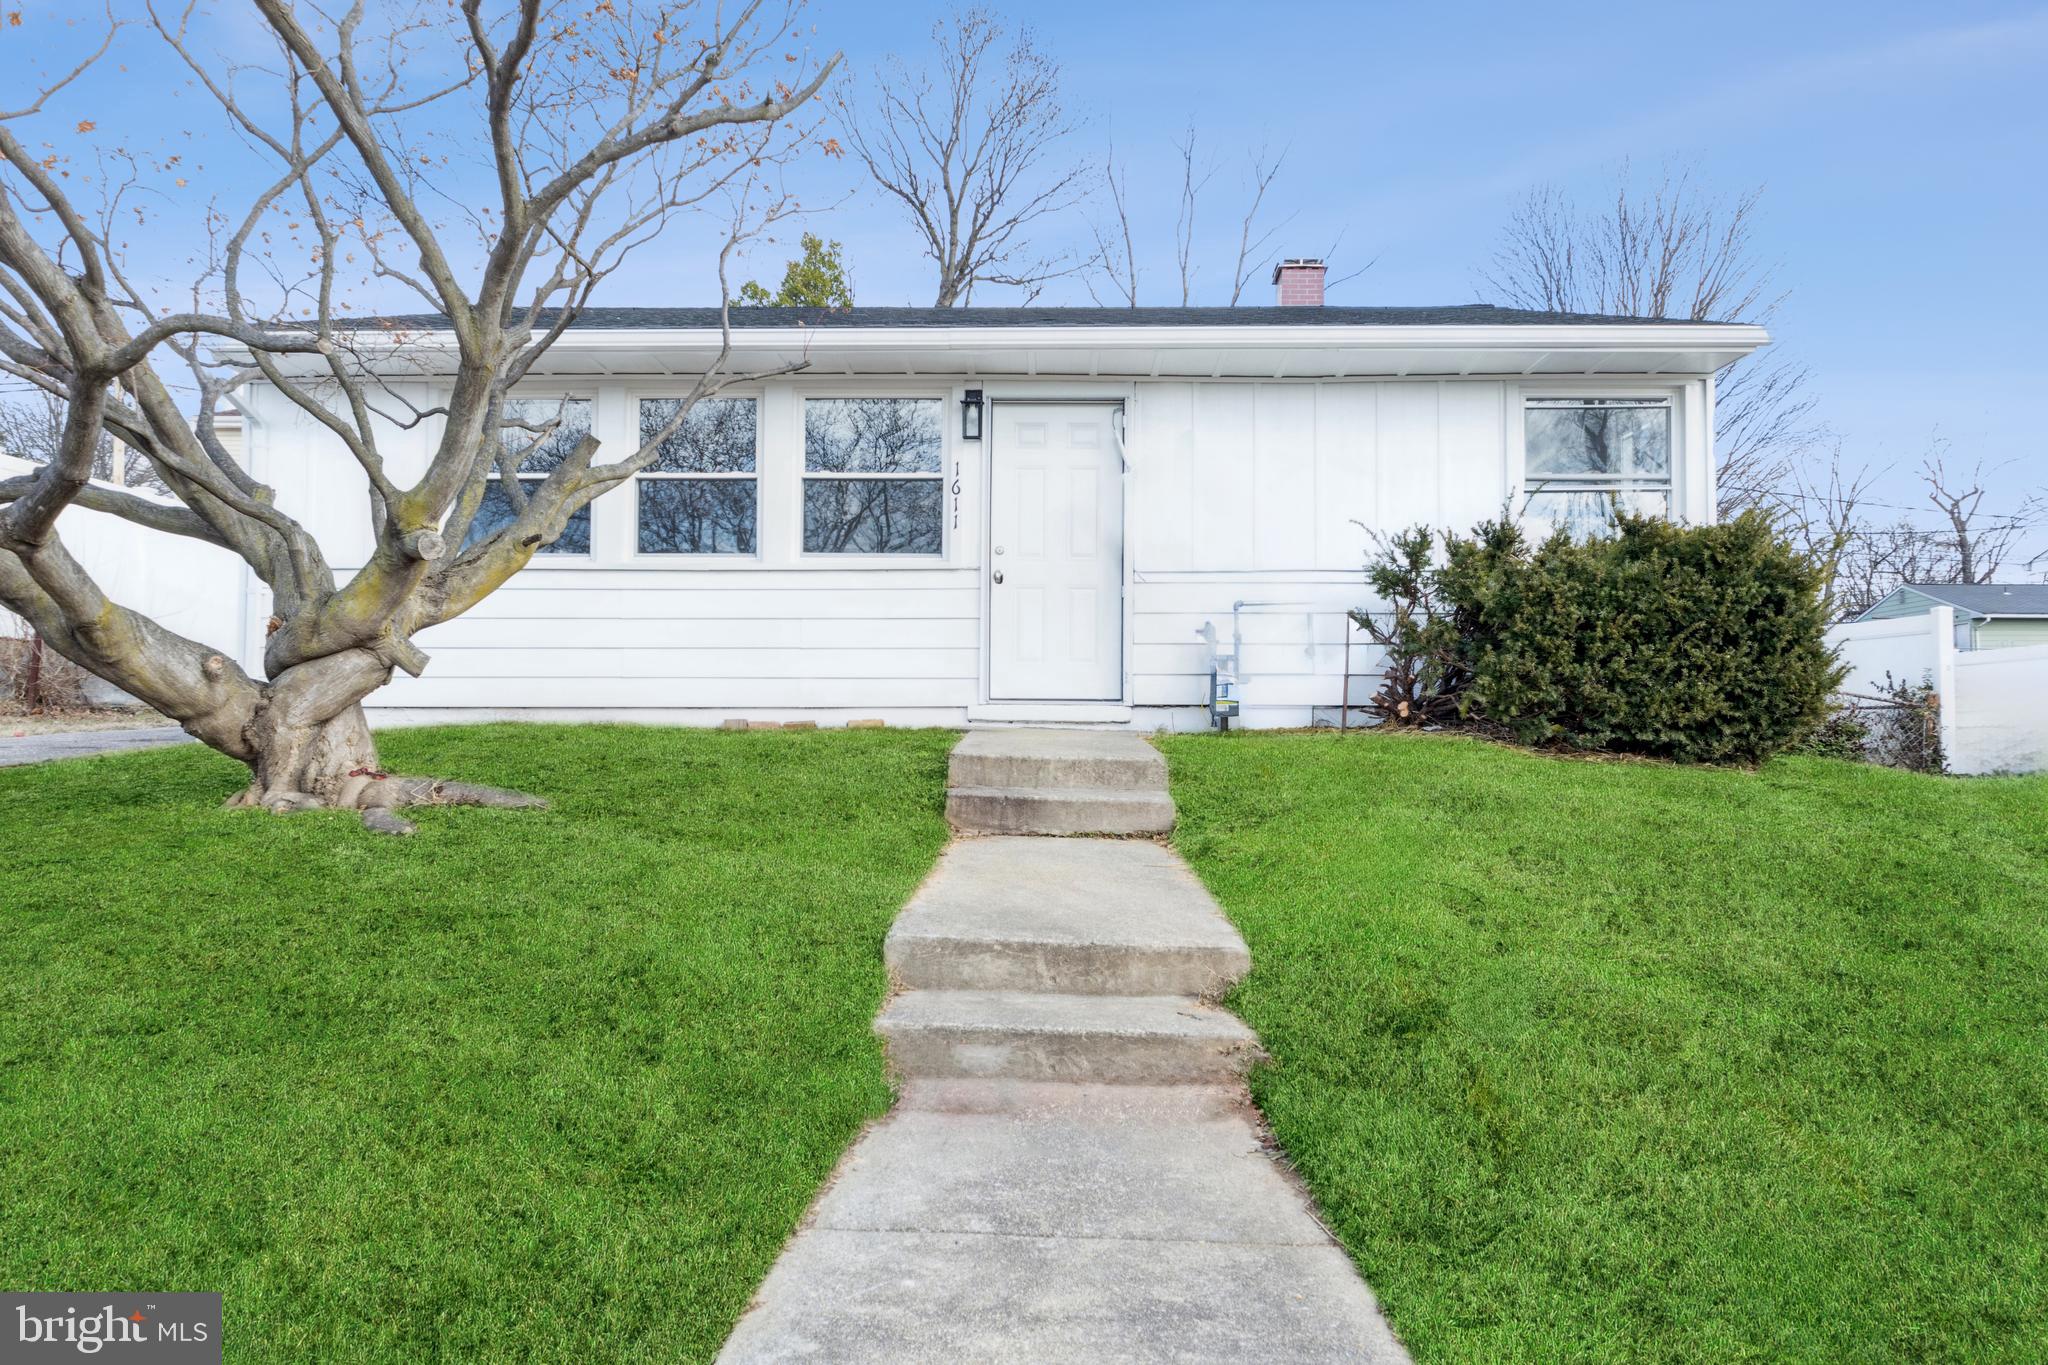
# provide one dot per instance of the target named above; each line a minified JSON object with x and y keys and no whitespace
{"x":1585,"y":456}
{"x":881,"y":460}
{"x":566,"y":422}
{"x":698,"y":497}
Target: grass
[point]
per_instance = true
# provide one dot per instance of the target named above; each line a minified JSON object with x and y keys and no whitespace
{"x":533,"y":1086}
{"x":1625,"y":1061}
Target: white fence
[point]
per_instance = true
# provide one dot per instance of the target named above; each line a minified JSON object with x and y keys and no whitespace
{"x":1993,"y":702}
{"x":183,"y":584}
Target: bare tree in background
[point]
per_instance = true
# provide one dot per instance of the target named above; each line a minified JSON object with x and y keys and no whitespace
{"x":974,"y":155}
{"x":1194,"y":178}
{"x":1975,"y":544}
{"x":1821,"y":513}
{"x":1868,"y":557}
{"x":593,"y":127}
{"x":1671,"y":251}
{"x":1116,"y":258}
{"x":1254,"y":245}
{"x":32,"y":429}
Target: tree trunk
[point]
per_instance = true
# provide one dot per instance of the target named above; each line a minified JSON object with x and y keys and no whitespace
{"x":32,"y":675}
{"x":311,"y":762}
{"x":309,"y":747}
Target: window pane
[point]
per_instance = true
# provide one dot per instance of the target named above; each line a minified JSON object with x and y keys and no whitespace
{"x":697,"y":516}
{"x":540,"y":453}
{"x":873,"y":516}
{"x":1589,"y":512}
{"x":1598,"y":437}
{"x":495,"y":513}
{"x":717,"y":437}
{"x":874,"y":435}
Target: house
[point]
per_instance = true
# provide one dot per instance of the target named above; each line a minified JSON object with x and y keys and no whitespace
{"x":1019,"y":514}
{"x":1988,"y":615}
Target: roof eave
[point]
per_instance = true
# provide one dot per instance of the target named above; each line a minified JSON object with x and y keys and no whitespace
{"x":1259,"y":350}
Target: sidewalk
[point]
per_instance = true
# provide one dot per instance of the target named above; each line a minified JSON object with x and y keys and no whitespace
{"x":1074,"y":1171}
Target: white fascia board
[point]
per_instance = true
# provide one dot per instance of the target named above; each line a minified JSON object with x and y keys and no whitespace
{"x":1597,"y":337}
{"x":1722,"y":343}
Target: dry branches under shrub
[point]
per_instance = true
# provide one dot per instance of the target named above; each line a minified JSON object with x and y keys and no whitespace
{"x":36,"y":678}
{"x":1897,"y":726}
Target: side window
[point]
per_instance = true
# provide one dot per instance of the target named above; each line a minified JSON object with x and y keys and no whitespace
{"x":1584,"y":457}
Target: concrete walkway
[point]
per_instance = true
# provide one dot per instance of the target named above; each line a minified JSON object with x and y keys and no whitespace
{"x":1074,"y":1172}
{"x":16,"y":750}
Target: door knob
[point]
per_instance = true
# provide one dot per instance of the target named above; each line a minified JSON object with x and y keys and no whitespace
{"x":999,"y":575}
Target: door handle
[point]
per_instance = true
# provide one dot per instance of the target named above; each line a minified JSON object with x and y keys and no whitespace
{"x":999,"y":575}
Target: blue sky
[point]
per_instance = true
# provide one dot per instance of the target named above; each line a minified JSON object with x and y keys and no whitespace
{"x":1902,"y":150}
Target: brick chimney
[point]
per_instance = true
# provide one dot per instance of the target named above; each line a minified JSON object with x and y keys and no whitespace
{"x":1301,"y":282}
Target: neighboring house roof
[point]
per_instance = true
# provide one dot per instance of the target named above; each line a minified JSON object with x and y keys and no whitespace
{"x":1447,"y":315}
{"x":1976,"y":599}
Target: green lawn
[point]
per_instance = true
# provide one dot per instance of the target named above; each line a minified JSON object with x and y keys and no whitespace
{"x":1623,"y":1061}
{"x":535,"y":1086}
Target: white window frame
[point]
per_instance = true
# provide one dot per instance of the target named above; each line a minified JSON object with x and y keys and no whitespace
{"x":1675,"y":483}
{"x":563,"y":397}
{"x":635,"y":399}
{"x":938,"y":477}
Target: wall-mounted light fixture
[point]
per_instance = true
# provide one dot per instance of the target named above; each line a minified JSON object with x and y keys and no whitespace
{"x":970,"y":416}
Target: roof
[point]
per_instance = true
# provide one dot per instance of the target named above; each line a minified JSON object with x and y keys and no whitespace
{"x":1445,"y":315}
{"x":1985,"y":599}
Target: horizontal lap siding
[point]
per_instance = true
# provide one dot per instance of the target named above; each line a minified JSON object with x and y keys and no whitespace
{"x":1263,"y":492}
{"x":743,"y":640}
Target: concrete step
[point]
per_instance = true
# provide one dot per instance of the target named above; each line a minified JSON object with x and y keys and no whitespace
{"x":1102,"y":760}
{"x":1058,"y":810}
{"x":1069,"y":916}
{"x":1113,"y":1039}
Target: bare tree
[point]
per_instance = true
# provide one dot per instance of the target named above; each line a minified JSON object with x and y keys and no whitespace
{"x":1867,"y":557}
{"x":1193,"y":180}
{"x":1975,"y":544}
{"x":969,"y":155}
{"x":1671,"y":251}
{"x":1822,"y":513}
{"x":1253,"y":244}
{"x":1115,"y":254}
{"x":593,"y":131}
{"x":32,"y":429}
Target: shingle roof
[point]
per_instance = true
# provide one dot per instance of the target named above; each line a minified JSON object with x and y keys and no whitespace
{"x":1447,"y":315}
{"x":1989,"y":599}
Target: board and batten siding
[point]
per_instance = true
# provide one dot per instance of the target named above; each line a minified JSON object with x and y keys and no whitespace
{"x":1238,"y":491}
{"x":1263,"y":493}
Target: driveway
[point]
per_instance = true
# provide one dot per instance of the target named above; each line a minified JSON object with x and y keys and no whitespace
{"x":19,"y":749}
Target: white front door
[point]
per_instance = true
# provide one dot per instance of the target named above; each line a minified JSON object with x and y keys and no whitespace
{"x":1056,"y":554}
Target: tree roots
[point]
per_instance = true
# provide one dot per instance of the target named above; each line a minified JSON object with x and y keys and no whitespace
{"x":380,"y":796}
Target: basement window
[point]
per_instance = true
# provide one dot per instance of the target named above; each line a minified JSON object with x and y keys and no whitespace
{"x":552,"y":428}
{"x":698,"y":497}
{"x":873,"y":476}
{"x":1585,"y":458}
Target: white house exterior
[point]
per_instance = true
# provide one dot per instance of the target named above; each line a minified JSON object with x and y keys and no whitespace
{"x":1144,"y":481}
